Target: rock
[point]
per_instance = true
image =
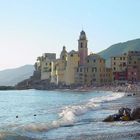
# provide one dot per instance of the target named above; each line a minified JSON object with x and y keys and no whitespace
{"x":123,"y":115}
{"x":123,"y":110}
{"x":138,"y":120}
{"x":111,"y":118}
{"x":125,"y":118}
{"x":135,"y":114}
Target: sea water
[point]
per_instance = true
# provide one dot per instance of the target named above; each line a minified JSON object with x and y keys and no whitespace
{"x":35,"y":114}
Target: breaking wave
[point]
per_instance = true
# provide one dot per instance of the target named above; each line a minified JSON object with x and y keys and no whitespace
{"x":68,"y":114}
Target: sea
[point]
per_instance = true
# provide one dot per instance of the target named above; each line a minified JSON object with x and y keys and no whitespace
{"x":65,"y":115}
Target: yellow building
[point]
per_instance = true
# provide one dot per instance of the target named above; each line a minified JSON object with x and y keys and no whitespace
{"x":59,"y":68}
{"x":75,"y":67}
{"x":119,"y":68}
{"x":46,"y":61}
{"x":72,"y":64}
{"x":108,"y":76}
{"x":58,"y":71}
{"x":92,"y":73}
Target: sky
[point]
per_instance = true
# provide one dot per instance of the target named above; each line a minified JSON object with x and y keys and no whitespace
{"x":29,"y":28}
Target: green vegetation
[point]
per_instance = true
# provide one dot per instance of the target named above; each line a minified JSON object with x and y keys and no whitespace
{"x":120,"y":48}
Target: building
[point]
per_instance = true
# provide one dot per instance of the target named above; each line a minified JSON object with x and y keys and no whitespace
{"x":133,"y":66}
{"x":46,"y":62}
{"x":75,"y":67}
{"x":108,"y":76}
{"x":82,"y":48}
{"x":72,"y":63}
{"x":126,"y":67}
{"x":119,"y":68}
{"x":93,"y":72}
{"x":59,"y":68}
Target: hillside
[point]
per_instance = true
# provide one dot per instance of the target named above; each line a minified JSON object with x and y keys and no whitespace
{"x":120,"y":48}
{"x":10,"y":77}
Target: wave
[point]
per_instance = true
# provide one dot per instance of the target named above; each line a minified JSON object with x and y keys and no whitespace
{"x":107,"y":98}
{"x":68,"y":114}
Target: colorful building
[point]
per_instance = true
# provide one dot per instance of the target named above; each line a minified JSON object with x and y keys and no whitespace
{"x":93,"y":72}
{"x":75,"y":67}
{"x":119,"y":68}
{"x":133,"y":67}
{"x":126,"y":67}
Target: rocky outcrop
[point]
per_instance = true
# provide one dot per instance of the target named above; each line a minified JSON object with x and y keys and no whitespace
{"x":124,"y":114}
{"x":135,"y":114}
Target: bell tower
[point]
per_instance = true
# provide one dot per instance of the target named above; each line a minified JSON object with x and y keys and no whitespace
{"x":82,"y":47}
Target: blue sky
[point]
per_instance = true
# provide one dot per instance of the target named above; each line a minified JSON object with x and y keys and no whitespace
{"x":29,"y":28}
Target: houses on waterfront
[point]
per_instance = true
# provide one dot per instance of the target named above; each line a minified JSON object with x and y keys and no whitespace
{"x":126,"y":67}
{"x":80,"y":68}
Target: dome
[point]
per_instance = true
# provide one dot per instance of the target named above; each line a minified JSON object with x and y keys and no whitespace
{"x":63,"y":54}
{"x":82,"y":35}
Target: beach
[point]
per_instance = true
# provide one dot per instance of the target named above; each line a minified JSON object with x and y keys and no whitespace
{"x":67,"y":115}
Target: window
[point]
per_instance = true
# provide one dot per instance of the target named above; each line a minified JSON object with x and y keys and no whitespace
{"x":81,"y":45}
{"x":124,"y":64}
{"x":80,"y":69}
{"x":120,"y":58}
{"x":88,"y":61}
{"x":114,"y":68}
{"x":77,"y":70}
{"x":114,"y":63}
{"x":71,"y":55}
{"x":114,"y":58}
{"x":95,"y":69}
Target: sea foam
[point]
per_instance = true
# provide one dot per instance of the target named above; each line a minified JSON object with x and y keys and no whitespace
{"x":68,"y":114}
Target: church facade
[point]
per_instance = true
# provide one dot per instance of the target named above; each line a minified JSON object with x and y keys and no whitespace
{"x":75,"y":67}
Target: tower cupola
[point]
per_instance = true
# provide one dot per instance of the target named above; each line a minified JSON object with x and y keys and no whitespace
{"x":63,"y":54}
{"x":82,"y":35}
